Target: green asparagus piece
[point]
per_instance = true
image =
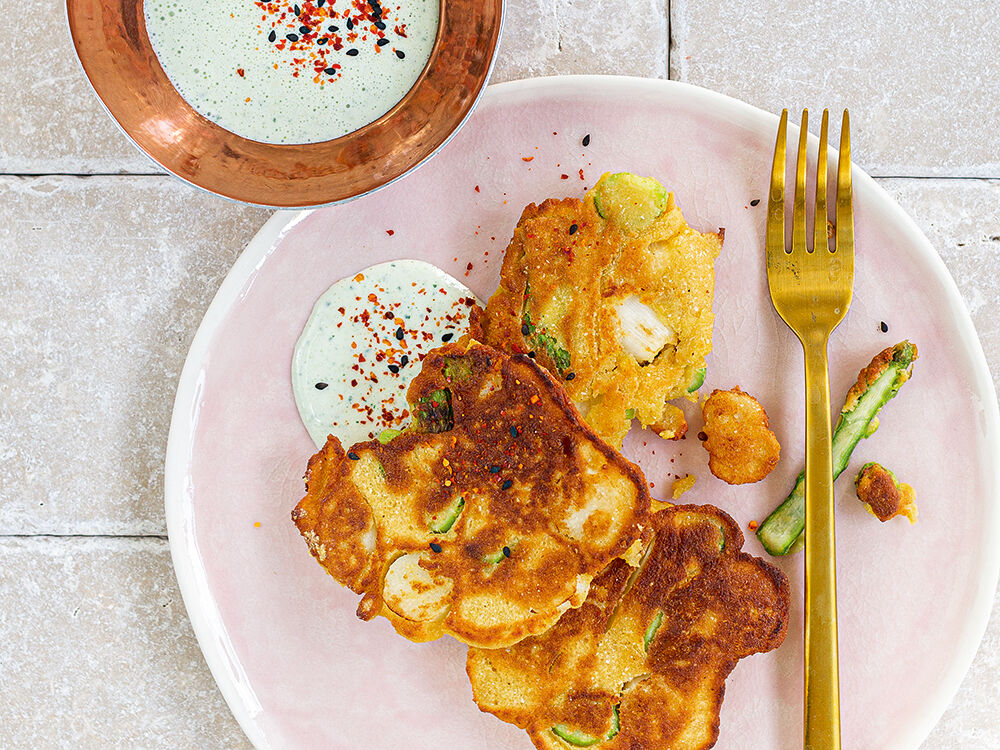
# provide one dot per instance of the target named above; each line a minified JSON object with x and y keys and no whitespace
{"x":876,"y":385}
{"x":432,"y":413}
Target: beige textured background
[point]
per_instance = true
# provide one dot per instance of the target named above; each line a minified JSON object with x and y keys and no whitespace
{"x":107,"y":265}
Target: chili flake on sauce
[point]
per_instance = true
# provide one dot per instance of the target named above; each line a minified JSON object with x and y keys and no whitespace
{"x":365,"y":340}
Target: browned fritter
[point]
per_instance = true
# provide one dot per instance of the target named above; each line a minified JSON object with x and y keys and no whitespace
{"x":647,"y":654}
{"x":883,"y":495}
{"x":489,"y":518}
{"x":738,"y":437}
{"x":585,"y":293}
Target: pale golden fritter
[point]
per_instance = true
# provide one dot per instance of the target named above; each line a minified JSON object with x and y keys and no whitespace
{"x":883,"y":495}
{"x":613,"y":295}
{"x":489,"y":518}
{"x":642,"y":664}
{"x":738,"y":437}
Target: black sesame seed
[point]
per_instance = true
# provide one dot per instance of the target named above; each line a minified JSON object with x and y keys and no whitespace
{"x":333,"y":28}
{"x":393,"y":368}
{"x":403,"y":361}
{"x":322,"y":40}
{"x":448,"y":337}
{"x":586,"y":140}
{"x":292,"y":37}
{"x":399,"y":54}
{"x":506,"y":551}
{"x":298,"y":10}
{"x":353,"y":456}
{"x":390,"y":315}
{"x":524,"y":329}
{"x":382,"y":42}
{"x":321,"y":386}
{"x":573,"y":228}
{"x":330,"y":71}
{"x":494,"y":470}
{"x":380,"y":25}
{"x":272,"y":36}
{"x":399,"y":333}
{"x":506,"y":484}
{"x":513,"y":431}
{"x":570,"y":375}
{"x":531,"y":355}
{"x":350,"y":24}
{"x":755,"y":202}
{"x":304,"y":29}
{"x":883,"y":327}
{"x":435,"y":546}
{"x":702,"y":436}
{"x":320,"y":3}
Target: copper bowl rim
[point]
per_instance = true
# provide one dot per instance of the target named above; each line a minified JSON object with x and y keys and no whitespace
{"x":113,"y":48}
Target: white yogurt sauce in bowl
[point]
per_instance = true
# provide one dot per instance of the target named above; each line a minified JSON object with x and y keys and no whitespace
{"x":296,"y":71}
{"x":363,"y":344}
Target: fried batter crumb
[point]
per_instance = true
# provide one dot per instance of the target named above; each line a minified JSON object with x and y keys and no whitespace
{"x":883,"y":495}
{"x":672,"y":425}
{"x":682,"y":485}
{"x":741,"y":446}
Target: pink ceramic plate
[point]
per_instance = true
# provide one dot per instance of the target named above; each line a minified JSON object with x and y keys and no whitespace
{"x":296,"y":666}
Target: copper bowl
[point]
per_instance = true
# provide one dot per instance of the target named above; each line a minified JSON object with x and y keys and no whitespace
{"x":111,"y":41}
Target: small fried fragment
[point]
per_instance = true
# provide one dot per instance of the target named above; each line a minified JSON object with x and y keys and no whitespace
{"x":682,"y":485}
{"x":486,"y":519}
{"x":642,"y":664}
{"x":883,"y":495}
{"x":672,"y":425}
{"x":741,"y":446}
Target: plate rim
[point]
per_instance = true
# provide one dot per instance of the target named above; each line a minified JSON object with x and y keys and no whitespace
{"x":190,"y":573}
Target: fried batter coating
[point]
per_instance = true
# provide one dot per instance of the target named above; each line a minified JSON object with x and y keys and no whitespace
{"x":682,"y":485}
{"x":883,"y":495}
{"x":741,"y":447}
{"x":613,"y":295}
{"x":488,"y":518}
{"x":643,"y":663}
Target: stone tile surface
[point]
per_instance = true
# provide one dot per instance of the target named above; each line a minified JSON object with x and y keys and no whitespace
{"x":618,"y":37}
{"x":53,"y":122}
{"x":51,"y":119}
{"x":97,"y":652}
{"x":920,"y":78}
{"x":104,"y":281}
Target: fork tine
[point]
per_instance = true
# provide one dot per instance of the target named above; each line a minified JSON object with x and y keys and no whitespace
{"x":799,"y":204}
{"x":820,"y":239}
{"x":776,"y":200}
{"x":845,"y":217}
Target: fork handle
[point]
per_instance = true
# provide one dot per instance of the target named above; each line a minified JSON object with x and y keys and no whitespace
{"x":822,"y":680}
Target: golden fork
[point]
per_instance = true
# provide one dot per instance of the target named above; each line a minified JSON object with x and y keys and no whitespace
{"x":811,"y":291}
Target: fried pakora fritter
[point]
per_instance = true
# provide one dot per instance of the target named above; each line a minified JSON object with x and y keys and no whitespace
{"x":486,"y":520}
{"x":612,"y":294}
{"x":741,"y":446}
{"x":883,"y":495}
{"x":643,"y":663}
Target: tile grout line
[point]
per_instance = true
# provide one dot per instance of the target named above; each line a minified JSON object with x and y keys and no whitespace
{"x":83,"y":536}
{"x":84,"y":175}
{"x":670,"y":41}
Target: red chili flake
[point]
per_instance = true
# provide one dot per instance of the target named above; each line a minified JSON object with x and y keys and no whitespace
{"x":468,"y":267}
{"x":241,"y":73}
{"x":390,"y":232}
{"x":477,"y":188}
{"x":581,"y":174}
{"x":564,"y":177}
{"x":527,"y":158}
{"x":753,"y":525}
